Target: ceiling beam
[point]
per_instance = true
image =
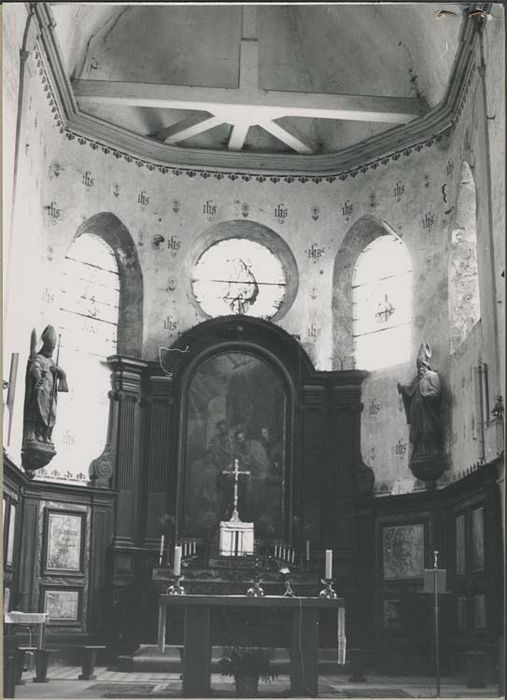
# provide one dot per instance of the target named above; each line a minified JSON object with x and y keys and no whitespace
{"x":292,"y":138}
{"x":188,"y":127}
{"x":237,"y":136}
{"x":268,"y":104}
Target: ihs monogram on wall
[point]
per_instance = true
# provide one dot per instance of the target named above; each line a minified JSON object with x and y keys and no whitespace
{"x":87,"y":180}
{"x":170,"y":324}
{"x":399,"y":191}
{"x":280,"y":213}
{"x":315,"y":212}
{"x":426,"y":180}
{"x":373,"y":200}
{"x":209,"y":209}
{"x":313,"y":293}
{"x":245,"y":210}
{"x":314,"y":252}
{"x":173,"y":244}
{"x":115,"y":189}
{"x":54,"y":213}
{"x":143,"y":200}
{"x":140,"y":239}
{"x":347,"y":210}
{"x":175,"y":205}
{"x":171,"y":284}
{"x":374,"y":407}
{"x":400,"y":448}
{"x":428,"y":220}
{"x":48,"y":296}
{"x":313,"y":331}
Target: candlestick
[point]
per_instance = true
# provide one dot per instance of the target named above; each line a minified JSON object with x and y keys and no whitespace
{"x":177,"y":560}
{"x":328,"y":591}
{"x":161,"y":554}
{"x":307,"y":550}
{"x":329,"y":564}
{"x":176,"y":588}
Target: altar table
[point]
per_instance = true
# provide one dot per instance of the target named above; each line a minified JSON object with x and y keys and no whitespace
{"x":304,"y":674}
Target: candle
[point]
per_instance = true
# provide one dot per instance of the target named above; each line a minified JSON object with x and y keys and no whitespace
{"x":177,"y":560}
{"x":162,"y":540}
{"x":307,"y":550}
{"x":292,"y":554}
{"x":329,"y":563}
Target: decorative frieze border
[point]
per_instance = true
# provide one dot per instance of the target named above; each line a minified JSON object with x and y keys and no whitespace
{"x":431,"y":128}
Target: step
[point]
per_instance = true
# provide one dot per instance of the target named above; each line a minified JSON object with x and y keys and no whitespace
{"x":148,"y":658}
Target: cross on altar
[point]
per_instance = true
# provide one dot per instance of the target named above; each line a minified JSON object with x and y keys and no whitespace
{"x":236,"y":537}
{"x":236,"y":473}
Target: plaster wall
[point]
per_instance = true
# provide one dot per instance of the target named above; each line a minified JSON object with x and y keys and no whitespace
{"x":62,"y":183}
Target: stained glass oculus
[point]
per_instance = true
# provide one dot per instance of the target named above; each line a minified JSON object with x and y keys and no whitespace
{"x":239,"y":276}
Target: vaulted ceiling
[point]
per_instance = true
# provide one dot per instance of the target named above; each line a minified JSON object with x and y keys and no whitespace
{"x":268,"y":78}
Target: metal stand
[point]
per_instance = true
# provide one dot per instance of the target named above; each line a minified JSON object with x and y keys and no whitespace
{"x":176,"y":588}
{"x":437,"y":644}
{"x":328,"y":591}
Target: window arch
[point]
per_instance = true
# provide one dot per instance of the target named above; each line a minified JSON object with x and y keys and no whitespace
{"x":382,"y":304}
{"x":87,"y":327}
{"x":464,"y":298}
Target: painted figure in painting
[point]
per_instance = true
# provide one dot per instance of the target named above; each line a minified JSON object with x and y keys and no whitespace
{"x":44,"y":378}
{"x":423,"y":403}
{"x":220,"y":445}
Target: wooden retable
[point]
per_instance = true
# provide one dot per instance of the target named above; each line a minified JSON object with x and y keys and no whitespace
{"x":304,"y":674}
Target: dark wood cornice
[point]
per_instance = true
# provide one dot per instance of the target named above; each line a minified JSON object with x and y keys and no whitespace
{"x":146,"y":152}
{"x":15,"y":475}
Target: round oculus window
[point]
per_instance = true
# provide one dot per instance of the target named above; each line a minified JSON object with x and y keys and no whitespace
{"x":239,"y":276}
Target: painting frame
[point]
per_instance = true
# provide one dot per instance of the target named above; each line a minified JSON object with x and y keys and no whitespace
{"x":409,"y":563}
{"x":68,"y":598}
{"x":64,"y":542}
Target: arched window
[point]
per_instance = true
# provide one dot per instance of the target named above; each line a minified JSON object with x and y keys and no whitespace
{"x":88,"y":321}
{"x":381,"y":304}
{"x":464,"y":300}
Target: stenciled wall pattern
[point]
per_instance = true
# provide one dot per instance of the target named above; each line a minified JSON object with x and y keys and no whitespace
{"x":62,"y":182}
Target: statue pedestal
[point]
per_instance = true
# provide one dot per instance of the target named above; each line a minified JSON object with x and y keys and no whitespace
{"x":236,"y":537}
{"x":429,"y":466}
{"x":36,"y":454}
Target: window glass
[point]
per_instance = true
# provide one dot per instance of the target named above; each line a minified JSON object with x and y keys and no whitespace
{"x":239,"y":276}
{"x":382,"y":304}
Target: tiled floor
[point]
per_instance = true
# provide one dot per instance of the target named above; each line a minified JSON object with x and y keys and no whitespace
{"x":63,"y":683}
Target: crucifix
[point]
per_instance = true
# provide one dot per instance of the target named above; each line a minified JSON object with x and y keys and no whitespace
{"x":236,"y":473}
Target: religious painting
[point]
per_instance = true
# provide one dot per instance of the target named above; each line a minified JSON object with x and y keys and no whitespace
{"x":460,"y":544}
{"x":64,"y":542}
{"x":236,"y":411}
{"x":478,"y":539}
{"x":10,"y":537}
{"x":403,"y":551}
{"x":62,"y":605}
{"x":392,"y":613}
{"x":479,"y":611}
